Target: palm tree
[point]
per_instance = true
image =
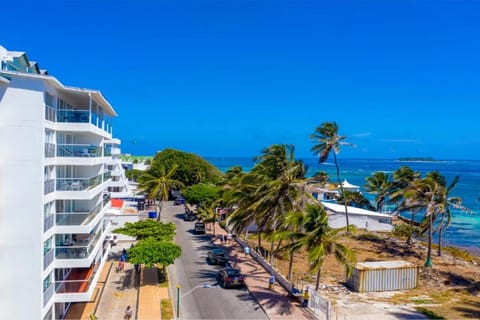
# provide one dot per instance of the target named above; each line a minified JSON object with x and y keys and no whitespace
{"x":320,"y":240}
{"x":355,"y":199}
{"x":269,"y":192}
{"x":157,"y":183}
{"x":378,"y":183}
{"x":291,"y":231}
{"x":208,"y":215}
{"x":425,"y":195}
{"x":283,"y":186}
{"x":329,"y":141}
{"x":445,"y":202}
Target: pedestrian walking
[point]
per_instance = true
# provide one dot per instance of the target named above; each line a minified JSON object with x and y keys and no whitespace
{"x":246,"y":250}
{"x":222,"y":238}
{"x":229,"y":237}
{"x":128,"y":313}
{"x":306,"y":297}
{"x":271,"y":282}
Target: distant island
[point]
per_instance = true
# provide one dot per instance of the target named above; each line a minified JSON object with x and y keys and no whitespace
{"x":416,"y":159}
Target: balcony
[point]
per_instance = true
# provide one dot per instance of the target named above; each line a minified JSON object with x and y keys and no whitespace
{"x":77,"y":218}
{"x":48,"y":294}
{"x":49,"y":150}
{"x":78,"y":150}
{"x":49,"y":186}
{"x":48,"y":258}
{"x":73,"y":116}
{"x":80,"y":184}
{"x":78,"y":281}
{"x":81,"y":250}
{"x":48,"y":223}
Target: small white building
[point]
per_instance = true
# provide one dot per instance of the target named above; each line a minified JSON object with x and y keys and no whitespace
{"x":361,"y":218}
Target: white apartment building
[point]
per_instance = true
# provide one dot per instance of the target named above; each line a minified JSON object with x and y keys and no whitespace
{"x":56,"y":147}
{"x":119,"y":186}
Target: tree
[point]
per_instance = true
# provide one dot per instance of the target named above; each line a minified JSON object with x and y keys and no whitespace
{"x":151,"y":252}
{"x":320,"y":177}
{"x":148,"y":229}
{"x":207,"y":214}
{"x":445,"y":202}
{"x":355,"y":199}
{"x":320,"y":240}
{"x":378,"y":183}
{"x":425,"y":195}
{"x":158,"y":183}
{"x":328,"y":141}
{"x":202,"y":193}
{"x":190,"y":168}
{"x":133,"y":174}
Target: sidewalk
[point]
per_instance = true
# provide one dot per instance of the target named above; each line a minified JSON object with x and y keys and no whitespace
{"x":275,"y":303}
{"x":117,"y":290}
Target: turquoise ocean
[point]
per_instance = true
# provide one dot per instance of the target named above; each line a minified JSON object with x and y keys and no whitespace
{"x":465,"y":228}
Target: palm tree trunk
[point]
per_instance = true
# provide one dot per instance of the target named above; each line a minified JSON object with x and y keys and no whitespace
{"x":341,"y":189}
{"x":429,"y":250}
{"x":439,"y":252}
{"x":270,"y":258}
{"x":290,"y":267}
{"x":317,"y":284}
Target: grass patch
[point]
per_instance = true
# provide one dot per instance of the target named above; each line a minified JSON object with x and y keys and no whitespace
{"x":428,"y":313}
{"x":167,"y":309}
{"x":421,"y":301}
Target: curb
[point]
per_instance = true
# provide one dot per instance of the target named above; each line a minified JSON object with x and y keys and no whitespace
{"x":248,"y":288}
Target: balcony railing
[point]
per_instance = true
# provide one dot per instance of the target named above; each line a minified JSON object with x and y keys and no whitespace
{"x":75,"y":116}
{"x":49,"y":186}
{"x":78,"y":184}
{"x":48,"y":294}
{"x":78,"y":150}
{"x":77,"y":218}
{"x":77,"y":286}
{"x":48,"y":258}
{"x":78,"y":251}
{"x":49,"y":150}
{"x":48,"y":223}
{"x":107,"y":151}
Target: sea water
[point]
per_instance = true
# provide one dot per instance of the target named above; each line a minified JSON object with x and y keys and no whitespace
{"x":465,"y":228}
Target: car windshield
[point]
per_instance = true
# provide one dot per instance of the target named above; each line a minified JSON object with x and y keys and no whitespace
{"x":218,"y":252}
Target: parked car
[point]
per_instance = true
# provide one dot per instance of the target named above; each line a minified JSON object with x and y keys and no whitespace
{"x":230,"y":277}
{"x":217,"y":256}
{"x":179,"y":200}
{"x":199,"y":227}
{"x":189,"y":216}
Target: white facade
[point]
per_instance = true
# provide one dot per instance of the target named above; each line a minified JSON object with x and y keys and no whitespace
{"x":119,"y":187}
{"x":54,"y":181}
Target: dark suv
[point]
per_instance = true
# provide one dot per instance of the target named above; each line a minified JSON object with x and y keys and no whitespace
{"x":217,"y":256}
{"x":199,"y":227}
{"x":230,"y":277}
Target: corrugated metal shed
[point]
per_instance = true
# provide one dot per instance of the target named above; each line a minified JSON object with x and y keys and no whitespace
{"x":383,"y":276}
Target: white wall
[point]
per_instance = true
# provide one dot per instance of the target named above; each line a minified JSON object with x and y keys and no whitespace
{"x":21,"y":200}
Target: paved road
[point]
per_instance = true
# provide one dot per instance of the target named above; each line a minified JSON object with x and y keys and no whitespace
{"x":192,"y":272}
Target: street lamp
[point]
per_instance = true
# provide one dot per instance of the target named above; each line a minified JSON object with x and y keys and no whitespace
{"x":206,"y":285}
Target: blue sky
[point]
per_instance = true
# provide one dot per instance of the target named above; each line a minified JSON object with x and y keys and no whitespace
{"x":228,"y":78}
